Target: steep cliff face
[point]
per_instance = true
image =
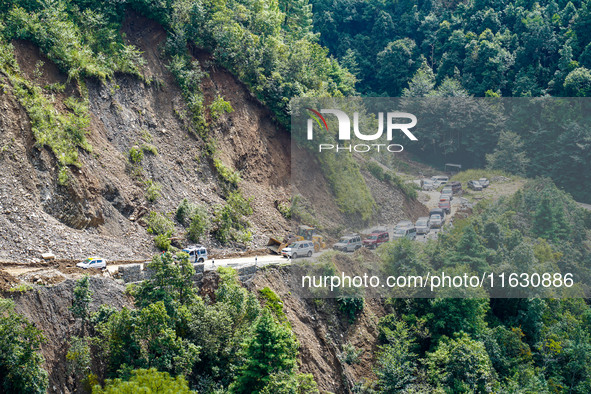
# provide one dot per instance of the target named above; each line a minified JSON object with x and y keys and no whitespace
{"x":321,"y":330}
{"x":48,"y":309}
{"x":323,"y":333}
{"x":97,"y":211}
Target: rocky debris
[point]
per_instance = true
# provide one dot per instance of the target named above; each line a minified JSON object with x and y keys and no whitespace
{"x":43,"y":277}
{"x":100,"y":210}
{"x":393,"y":205}
{"x":199,"y":268}
{"x":7,"y":281}
{"x":245,"y":273}
{"x":131,"y":273}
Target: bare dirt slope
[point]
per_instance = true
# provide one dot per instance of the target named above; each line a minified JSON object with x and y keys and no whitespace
{"x":98,"y":211}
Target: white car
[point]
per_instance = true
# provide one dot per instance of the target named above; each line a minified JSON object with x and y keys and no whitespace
{"x":93,"y":262}
{"x":298,"y":249}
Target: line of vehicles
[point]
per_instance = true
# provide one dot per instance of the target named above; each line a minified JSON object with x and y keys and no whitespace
{"x":197,"y":254}
{"x":450,"y":189}
{"x":352,"y":242}
{"x":437,"y":181}
{"x":403,"y":229}
{"x":306,"y":242}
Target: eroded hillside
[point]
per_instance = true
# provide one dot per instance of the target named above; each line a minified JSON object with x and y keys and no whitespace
{"x":99,"y":210}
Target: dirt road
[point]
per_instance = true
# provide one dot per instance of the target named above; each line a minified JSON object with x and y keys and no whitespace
{"x":50,"y":272}
{"x":236,"y":262}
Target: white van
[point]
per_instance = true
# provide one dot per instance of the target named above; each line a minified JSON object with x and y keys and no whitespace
{"x":197,"y":253}
{"x":440,"y":179}
{"x":349,"y":243}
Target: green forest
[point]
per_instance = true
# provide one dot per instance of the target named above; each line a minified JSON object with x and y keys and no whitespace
{"x":236,"y":342}
{"x":172,"y":339}
{"x":241,"y":342}
{"x":504,"y":345}
{"x":473,"y":48}
{"x":463,"y":341}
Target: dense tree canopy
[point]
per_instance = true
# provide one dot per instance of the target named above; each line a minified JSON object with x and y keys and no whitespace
{"x":530,"y":345}
{"x":514,"y":48}
{"x":478,"y":48}
{"x":145,"y":381}
{"x":20,"y":361}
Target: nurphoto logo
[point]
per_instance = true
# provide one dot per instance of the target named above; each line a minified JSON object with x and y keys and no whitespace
{"x":394,"y":121}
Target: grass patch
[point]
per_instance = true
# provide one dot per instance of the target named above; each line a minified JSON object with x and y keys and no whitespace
{"x":274,"y":303}
{"x":285,"y":209}
{"x":146,"y":136}
{"x":475,"y":174}
{"x":135,"y":155}
{"x":63,"y":132}
{"x":149,"y":148}
{"x":188,"y":75}
{"x":162,"y":227}
{"x":21,"y":288}
{"x":230,"y":219}
{"x":351,"y":192}
{"x":152,"y":190}
{"x":218,"y":107}
{"x":229,"y":177}
{"x":159,"y":224}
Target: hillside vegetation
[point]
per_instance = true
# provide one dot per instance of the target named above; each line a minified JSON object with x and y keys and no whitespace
{"x":269,"y":46}
{"x":527,"y":345}
{"x":170,"y":117}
